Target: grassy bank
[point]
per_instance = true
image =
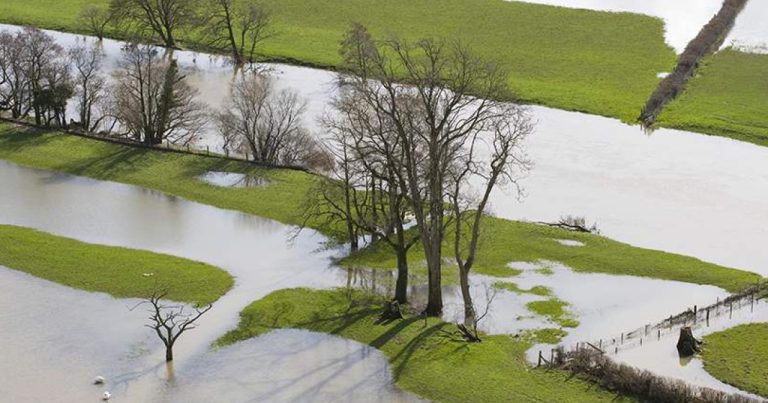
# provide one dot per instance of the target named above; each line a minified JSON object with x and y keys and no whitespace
{"x":425,"y":359}
{"x":727,"y":98}
{"x":172,"y":173}
{"x":120,"y":272}
{"x":739,"y":357}
{"x":597,"y":62}
{"x":503,"y":241}
{"x":506,"y":241}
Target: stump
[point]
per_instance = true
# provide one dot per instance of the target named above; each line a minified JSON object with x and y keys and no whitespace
{"x":687,"y":345}
{"x":391,"y":311}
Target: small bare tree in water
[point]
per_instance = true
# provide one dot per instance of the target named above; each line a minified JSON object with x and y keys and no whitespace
{"x":170,"y":321}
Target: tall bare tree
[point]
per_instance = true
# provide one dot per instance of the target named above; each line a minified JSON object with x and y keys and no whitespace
{"x":161,"y":18}
{"x":15,"y":92}
{"x":96,"y":19}
{"x":266,"y":123}
{"x":90,"y":83}
{"x":45,"y":72}
{"x":239,"y":26}
{"x":152,"y":100}
{"x":439,"y":98}
{"x":171,"y":321}
{"x":494,"y":156}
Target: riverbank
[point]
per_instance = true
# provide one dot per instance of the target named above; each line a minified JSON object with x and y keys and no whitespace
{"x":120,"y":272}
{"x":738,"y":356}
{"x":423,"y":354}
{"x":596,"y":62}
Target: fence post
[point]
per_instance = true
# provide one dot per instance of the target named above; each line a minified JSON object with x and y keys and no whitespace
{"x":695,"y":314}
{"x":551,"y":356}
{"x":730,"y":315}
{"x":752,"y":303}
{"x":208,"y":150}
{"x":658,"y":336}
{"x":622,"y":338}
{"x":540,"y":358}
{"x":646,"y":329}
{"x":707,"y":316}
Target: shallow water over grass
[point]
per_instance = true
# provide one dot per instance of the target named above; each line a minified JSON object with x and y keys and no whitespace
{"x":683,"y":18}
{"x":672,"y":190}
{"x":233,"y":180}
{"x":103,"y":337}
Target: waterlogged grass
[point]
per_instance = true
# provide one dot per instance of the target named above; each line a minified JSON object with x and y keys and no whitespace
{"x":728,"y":97}
{"x":539,"y":290}
{"x":425,"y":359}
{"x":172,"y":173}
{"x":597,"y":62}
{"x":739,"y":357}
{"x":554,"y":309}
{"x":505,"y":241}
{"x":120,"y":272}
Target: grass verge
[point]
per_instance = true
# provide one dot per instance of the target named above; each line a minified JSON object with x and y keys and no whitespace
{"x":739,"y":357}
{"x":592,"y":61}
{"x":120,"y":272}
{"x":426,"y":359}
{"x":727,"y":98}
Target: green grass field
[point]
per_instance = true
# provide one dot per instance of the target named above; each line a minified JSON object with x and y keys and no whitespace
{"x":120,"y":272}
{"x":728,"y":97}
{"x":739,"y":357}
{"x":503,"y":241}
{"x":426,"y":360}
{"x":597,"y":62}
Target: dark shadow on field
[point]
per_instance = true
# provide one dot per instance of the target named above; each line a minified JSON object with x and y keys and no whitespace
{"x":17,"y":138}
{"x":123,"y":159}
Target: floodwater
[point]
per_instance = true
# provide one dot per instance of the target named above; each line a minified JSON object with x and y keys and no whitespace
{"x":671,"y":190}
{"x":59,"y":339}
{"x":750,"y":32}
{"x":233,"y":180}
{"x":660,"y":356}
{"x":683,"y":18}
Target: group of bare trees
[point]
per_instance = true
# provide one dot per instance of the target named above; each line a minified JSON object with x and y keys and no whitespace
{"x":237,"y":26}
{"x":35,"y":77}
{"x":421,"y":143}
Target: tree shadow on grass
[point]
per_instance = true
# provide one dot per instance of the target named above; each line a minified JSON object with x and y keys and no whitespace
{"x":404,"y":356}
{"x":20,"y":137}
{"x":123,"y":159}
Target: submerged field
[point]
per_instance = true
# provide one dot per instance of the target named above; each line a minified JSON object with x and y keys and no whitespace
{"x":597,"y":62}
{"x":120,"y":272}
{"x":426,"y":358}
{"x":739,"y":356}
{"x":503,"y":242}
{"x":728,"y":97}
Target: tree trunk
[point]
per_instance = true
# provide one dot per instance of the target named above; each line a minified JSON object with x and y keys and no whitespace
{"x":168,"y":354}
{"x":469,"y":307}
{"x":435,"y":298}
{"x":401,"y":286}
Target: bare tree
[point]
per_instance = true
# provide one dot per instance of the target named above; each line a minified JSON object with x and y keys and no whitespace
{"x":96,"y":19}
{"x":439,"y":98}
{"x":152,"y":100}
{"x":239,"y":26}
{"x":161,"y":18}
{"x":266,"y":123}
{"x":365,"y":193}
{"x":503,"y":130}
{"x":46,"y":73}
{"x":170,"y":321}
{"x":90,"y":83}
{"x":15,"y":93}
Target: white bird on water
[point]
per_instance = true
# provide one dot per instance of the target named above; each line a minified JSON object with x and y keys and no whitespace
{"x":106,"y":396}
{"x":99,"y":380}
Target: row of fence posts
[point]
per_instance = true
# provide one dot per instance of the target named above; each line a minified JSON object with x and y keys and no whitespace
{"x":647,"y":328}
